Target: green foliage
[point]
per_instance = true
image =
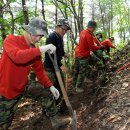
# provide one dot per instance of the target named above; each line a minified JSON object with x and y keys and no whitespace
{"x":121,"y":45}
{"x":129,"y":54}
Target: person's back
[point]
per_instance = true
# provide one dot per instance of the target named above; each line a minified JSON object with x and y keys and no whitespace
{"x":86,"y":44}
{"x":107,"y":43}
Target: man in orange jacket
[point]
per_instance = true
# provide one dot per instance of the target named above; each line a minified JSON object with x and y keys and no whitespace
{"x":19,"y":56}
{"x":108,"y":44}
{"x":86,"y":45}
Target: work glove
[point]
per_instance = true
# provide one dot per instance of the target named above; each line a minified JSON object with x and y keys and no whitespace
{"x":49,"y":47}
{"x":55,"y":92}
{"x":102,"y":48}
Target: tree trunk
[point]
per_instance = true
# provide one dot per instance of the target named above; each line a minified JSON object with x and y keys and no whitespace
{"x":80,"y":14}
{"x":43,"y":10}
{"x":36,"y":9}
{"x":56,"y":15}
{"x":111,"y":8}
{"x":102,"y":16}
{"x":2,"y":28}
{"x":25,"y":12}
{"x":93,"y":10}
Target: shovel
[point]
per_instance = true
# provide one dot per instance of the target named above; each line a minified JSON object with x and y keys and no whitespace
{"x":65,"y":96}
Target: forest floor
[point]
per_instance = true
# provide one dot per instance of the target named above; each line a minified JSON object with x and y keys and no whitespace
{"x":105,"y":104}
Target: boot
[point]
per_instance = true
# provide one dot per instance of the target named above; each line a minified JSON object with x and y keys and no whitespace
{"x":79,"y":90}
{"x":58,"y":121}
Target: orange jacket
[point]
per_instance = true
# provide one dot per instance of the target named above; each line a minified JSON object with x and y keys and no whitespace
{"x":107,"y":43}
{"x":86,"y":44}
{"x":15,"y":64}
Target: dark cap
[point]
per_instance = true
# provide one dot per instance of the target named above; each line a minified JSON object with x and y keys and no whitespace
{"x":99,"y":34}
{"x":112,"y":38}
{"x":92,"y":24}
{"x":63,"y":22}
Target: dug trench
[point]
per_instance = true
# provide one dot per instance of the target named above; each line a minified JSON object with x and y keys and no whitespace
{"x":104,"y":105}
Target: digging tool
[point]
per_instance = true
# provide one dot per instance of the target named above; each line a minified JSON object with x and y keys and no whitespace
{"x":123,"y":67}
{"x":71,"y":111}
{"x":66,"y":81}
{"x":66,"y":76}
{"x":97,"y":40}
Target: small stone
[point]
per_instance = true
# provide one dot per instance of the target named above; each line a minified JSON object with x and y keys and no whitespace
{"x":125,"y":85}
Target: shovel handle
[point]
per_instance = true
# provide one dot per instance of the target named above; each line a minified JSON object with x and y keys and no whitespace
{"x":54,"y":61}
{"x":71,"y":111}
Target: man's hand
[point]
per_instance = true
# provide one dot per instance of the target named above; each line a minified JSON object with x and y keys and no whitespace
{"x":49,"y":47}
{"x":64,"y":69}
{"x":55,"y":92}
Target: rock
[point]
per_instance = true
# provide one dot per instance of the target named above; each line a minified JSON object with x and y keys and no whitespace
{"x":125,"y":85}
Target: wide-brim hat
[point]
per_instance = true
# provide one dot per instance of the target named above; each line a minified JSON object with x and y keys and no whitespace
{"x":36,"y":26}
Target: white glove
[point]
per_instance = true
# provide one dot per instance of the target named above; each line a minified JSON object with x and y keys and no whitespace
{"x":55,"y":92}
{"x":49,"y":47}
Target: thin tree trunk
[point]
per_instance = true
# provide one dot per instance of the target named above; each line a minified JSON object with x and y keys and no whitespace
{"x":43,"y":10}
{"x":12,"y":17}
{"x":56,"y":15}
{"x":80,"y":14}
{"x":93,"y":10}
{"x":102,"y":16}
{"x":2,"y":28}
{"x":36,"y":9}
{"x":25,"y":12}
{"x":111,"y":7}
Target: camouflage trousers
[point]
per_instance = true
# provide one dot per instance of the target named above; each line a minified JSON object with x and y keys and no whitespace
{"x":60,"y":102}
{"x":34,"y":91}
{"x":81,"y":68}
{"x":52,"y":76}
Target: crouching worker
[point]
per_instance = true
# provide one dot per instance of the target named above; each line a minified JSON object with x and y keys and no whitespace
{"x":20,"y":56}
{"x":100,"y":55}
{"x":108,"y":44}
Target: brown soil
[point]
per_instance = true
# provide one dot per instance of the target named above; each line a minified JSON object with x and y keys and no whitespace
{"x":105,"y":104}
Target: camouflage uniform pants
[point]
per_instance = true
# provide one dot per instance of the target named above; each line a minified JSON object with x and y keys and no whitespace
{"x":60,"y":102}
{"x":80,"y":71}
{"x":34,"y":91}
{"x":52,"y":76}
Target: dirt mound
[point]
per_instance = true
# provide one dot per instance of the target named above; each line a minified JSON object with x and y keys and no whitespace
{"x":108,"y":107}
{"x":105,"y":104}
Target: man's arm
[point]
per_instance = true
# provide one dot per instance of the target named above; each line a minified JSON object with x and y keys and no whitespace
{"x":40,"y":73}
{"x":90,"y":42}
{"x":18,"y":55}
{"x":43,"y":78}
{"x":110,"y":45}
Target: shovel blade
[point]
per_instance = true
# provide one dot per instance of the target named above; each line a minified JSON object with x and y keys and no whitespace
{"x":74,"y":121}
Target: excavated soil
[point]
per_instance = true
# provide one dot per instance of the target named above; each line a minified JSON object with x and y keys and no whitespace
{"x":105,"y":104}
